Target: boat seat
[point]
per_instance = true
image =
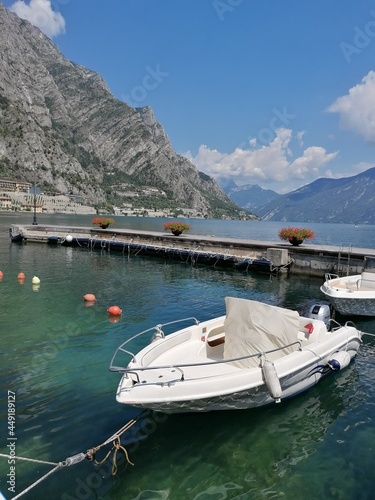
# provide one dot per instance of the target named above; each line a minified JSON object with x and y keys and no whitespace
{"x":215,"y":342}
{"x":216,"y":336}
{"x":367,"y":280}
{"x":311,"y":330}
{"x":353,"y":285}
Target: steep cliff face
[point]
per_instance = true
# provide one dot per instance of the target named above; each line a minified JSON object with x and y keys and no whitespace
{"x":61,"y":119}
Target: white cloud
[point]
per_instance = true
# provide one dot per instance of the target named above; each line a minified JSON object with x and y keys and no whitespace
{"x":41,"y":15}
{"x":357,"y":108}
{"x":299,"y":136}
{"x":268,"y":166}
{"x":310,"y":163}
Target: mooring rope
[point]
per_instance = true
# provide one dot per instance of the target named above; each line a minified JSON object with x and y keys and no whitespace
{"x":78,"y":243}
{"x":90,"y":454}
{"x":370,"y":334}
{"x":30,"y":460}
{"x":279,"y":268}
{"x":116,"y":447}
{"x":37,"y":482}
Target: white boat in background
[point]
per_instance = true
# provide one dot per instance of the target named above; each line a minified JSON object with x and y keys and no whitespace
{"x":255,"y":355}
{"x":351,"y":295}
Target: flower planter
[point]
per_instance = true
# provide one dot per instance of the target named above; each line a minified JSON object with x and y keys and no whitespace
{"x":103,"y":222}
{"x":296,"y":235}
{"x":176,"y":227}
{"x":295,"y":241}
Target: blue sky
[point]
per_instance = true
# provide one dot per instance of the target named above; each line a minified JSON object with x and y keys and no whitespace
{"x":275,"y":93}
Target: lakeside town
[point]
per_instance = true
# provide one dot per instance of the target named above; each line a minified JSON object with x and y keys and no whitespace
{"x":21,"y":196}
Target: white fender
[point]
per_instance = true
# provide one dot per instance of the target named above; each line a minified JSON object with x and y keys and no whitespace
{"x":127,"y":383}
{"x":339,"y":360}
{"x":272,"y":380}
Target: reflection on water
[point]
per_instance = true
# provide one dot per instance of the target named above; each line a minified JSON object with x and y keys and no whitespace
{"x":55,"y":356}
{"x":246,"y":452}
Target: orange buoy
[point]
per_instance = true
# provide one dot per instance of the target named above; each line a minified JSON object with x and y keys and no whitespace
{"x":114,"y":310}
{"x":1,"y":275}
{"x":89,"y":297}
{"x":21,"y":276}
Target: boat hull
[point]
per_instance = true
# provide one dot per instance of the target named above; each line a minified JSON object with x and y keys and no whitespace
{"x":351,"y":295}
{"x":182,"y":388}
{"x":253,"y":397}
{"x":353,"y":306}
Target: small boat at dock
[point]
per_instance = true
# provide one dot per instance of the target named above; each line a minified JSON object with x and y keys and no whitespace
{"x":351,"y":295}
{"x":16,"y":237}
{"x":256,"y":354}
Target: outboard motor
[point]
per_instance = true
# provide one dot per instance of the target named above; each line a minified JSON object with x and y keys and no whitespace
{"x":320,"y":311}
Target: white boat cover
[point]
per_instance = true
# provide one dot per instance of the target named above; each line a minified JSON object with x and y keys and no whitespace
{"x":252,"y":327}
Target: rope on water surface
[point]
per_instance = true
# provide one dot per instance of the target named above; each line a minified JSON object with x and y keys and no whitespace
{"x":29,"y":459}
{"x":75,"y":459}
{"x":37,"y":482}
{"x":116,"y":447}
{"x":115,"y":439}
{"x":370,"y":334}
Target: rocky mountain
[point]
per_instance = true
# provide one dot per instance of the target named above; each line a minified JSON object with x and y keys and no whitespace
{"x":346,"y":200}
{"x":59,"y":120}
{"x":250,"y":197}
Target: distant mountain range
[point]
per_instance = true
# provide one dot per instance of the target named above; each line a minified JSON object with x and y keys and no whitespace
{"x":345,"y":200}
{"x":250,"y":197}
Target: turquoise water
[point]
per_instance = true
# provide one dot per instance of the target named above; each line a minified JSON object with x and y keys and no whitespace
{"x":55,"y":353}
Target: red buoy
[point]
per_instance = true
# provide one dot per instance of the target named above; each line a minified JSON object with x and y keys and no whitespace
{"x":114,"y":310}
{"x":1,"y":275}
{"x":21,"y":276}
{"x":89,"y":297}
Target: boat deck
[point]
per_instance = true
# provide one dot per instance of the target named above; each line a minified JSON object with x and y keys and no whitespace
{"x":171,"y":365}
{"x":354,"y":285}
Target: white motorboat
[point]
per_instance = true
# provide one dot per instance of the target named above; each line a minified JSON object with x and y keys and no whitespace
{"x":351,"y":295}
{"x":255,"y":355}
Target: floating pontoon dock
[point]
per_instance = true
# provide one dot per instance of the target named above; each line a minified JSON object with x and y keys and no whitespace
{"x":268,"y":256}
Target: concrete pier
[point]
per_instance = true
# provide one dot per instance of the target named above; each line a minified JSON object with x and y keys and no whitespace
{"x":269,"y":256}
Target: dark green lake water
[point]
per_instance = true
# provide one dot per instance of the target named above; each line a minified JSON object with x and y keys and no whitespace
{"x":55,"y":353}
